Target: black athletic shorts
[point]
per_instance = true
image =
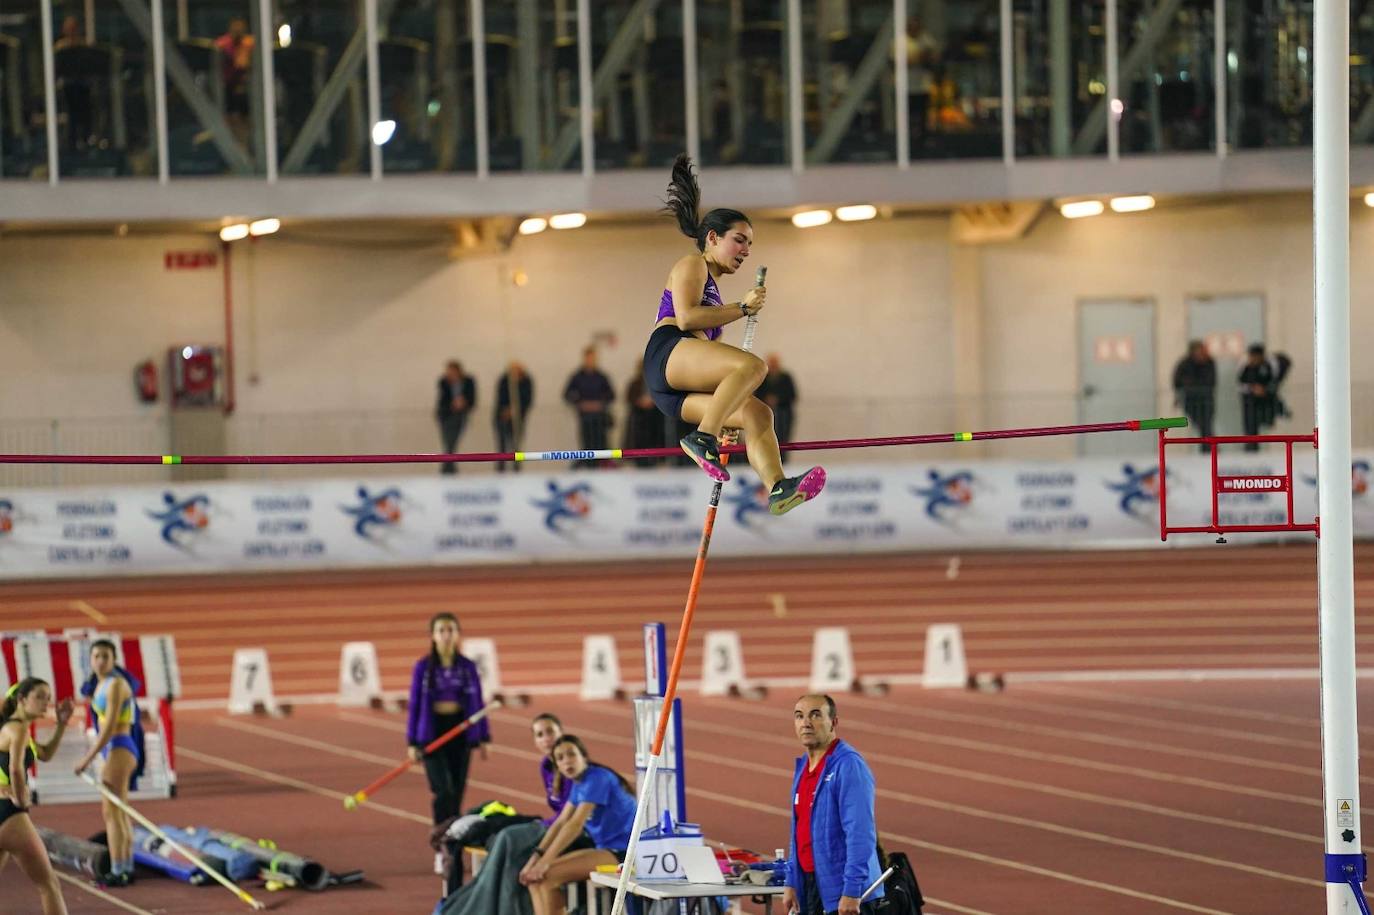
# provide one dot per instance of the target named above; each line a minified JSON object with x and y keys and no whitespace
{"x":661,"y":342}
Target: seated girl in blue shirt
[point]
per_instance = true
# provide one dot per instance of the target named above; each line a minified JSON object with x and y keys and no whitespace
{"x":603,"y":803}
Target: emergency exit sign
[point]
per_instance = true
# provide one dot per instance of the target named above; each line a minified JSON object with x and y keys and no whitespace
{"x":190,"y":260}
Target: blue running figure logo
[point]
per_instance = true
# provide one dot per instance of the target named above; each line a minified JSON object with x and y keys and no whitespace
{"x":1139,"y":486}
{"x":564,"y":505}
{"x":747,"y":499}
{"x":946,"y":493}
{"x":372,"y":511}
{"x":182,"y":519}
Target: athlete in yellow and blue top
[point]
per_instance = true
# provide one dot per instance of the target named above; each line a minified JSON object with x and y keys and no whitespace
{"x":115,"y":710}
{"x":25,"y":704}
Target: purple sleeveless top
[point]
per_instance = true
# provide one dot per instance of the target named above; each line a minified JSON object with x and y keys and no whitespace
{"x":710,"y":295}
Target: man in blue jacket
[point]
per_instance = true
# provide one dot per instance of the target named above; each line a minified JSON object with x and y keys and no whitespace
{"x":833,"y":857}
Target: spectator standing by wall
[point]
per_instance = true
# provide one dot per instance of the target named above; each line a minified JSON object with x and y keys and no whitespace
{"x":779,"y":391}
{"x":457,"y":397}
{"x":514,"y":397}
{"x":1195,"y":387}
{"x":643,"y":423}
{"x":1256,"y":393}
{"x":590,"y":393}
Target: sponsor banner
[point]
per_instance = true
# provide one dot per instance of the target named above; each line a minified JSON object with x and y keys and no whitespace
{"x":624,"y":513}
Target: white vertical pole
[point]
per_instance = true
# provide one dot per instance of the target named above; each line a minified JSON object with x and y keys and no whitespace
{"x":160,"y":93}
{"x":1113,"y":88}
{"x":374,"y":86}
{"x":268,"y":43}
{"x":691,"y":88}
{"x":49,"y":89}
{"x":1219,"y":74}
{"x":1335,"y":560}
{"x":794,"y":85}
{"x":586,"y":102}
{"x":479,"y":88}
{"x":1008,"y":85}
{"x":901,"y":83}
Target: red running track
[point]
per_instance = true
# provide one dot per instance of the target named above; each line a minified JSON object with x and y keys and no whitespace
{"x":1052,"y":797}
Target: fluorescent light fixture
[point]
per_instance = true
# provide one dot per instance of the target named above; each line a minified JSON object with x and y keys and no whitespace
{"x":235,"y":232}
{"x":856,"y":213}
{"x":284,"y":35}
{"x":1080,"y":208}
{"x":534,"y":225}
{"x":1133,"y":204}
{"x":568,"y":221}
{"x":263,"y":226}
{"x":810,"y":218}
{"x":382,"y":132}
{"x":1369,"y":199}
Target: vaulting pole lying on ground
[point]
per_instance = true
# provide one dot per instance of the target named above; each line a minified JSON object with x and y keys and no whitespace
{"x":190,"y":856}
{"x":612,"y":454}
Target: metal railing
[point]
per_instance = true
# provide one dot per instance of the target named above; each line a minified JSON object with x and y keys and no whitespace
{"x":128,"y":88}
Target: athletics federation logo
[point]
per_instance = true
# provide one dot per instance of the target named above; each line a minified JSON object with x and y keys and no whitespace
{"x":183,"y":520}
{"x":1139,"y":491}
{"x":946,"y":494}
{"x":6,"y":517}
{"x":748,"y":500}
{"x":564,"y":506}
{"x":374,"y":511}
{"x":1359,"y":481}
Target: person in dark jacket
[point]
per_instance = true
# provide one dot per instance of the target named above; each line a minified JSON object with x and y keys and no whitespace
{"x":445,"y":688}
{"x":590,"y":393}
{"x":1256,"y":393}
{"x":833,"y":857}
{"x":514,"y":397}
{"x":1195,"y":387}
{"x":457,"y":397}
{"x":643,"y":422}
{"x":779,"y":391}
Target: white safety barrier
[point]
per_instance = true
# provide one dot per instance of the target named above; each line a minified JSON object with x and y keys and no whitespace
{"x":360,"y":678}
{"x":600,"y":668}
{"x":250,"y":682}
{"x":946,"y":666}
{"x":832,"y":661}
{"x":722,"y":662}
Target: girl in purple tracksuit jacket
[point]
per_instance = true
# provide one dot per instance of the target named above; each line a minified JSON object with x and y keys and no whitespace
{"x":445,"y":689}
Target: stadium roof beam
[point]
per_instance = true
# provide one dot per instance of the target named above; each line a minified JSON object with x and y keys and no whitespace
{"x":618,"y":53}
{"x":345,"y":71}
{"x":209,"y":116}
{"x":1156,"y":24}
{"x":865,"y":77}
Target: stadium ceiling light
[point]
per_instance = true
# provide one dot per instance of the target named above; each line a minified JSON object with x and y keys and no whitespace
{"x":1369,"y":199}
{"x":1134,"y":204}
{"x":263,"y":226}
{"x":856,"y":213}
{"x":235,"y":232}
{"x":1080,"y":208}
{"x":568,"y":220}
{"x":810,"y":218}
{"x":534,"y":225}
{"x":383,"y":131}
